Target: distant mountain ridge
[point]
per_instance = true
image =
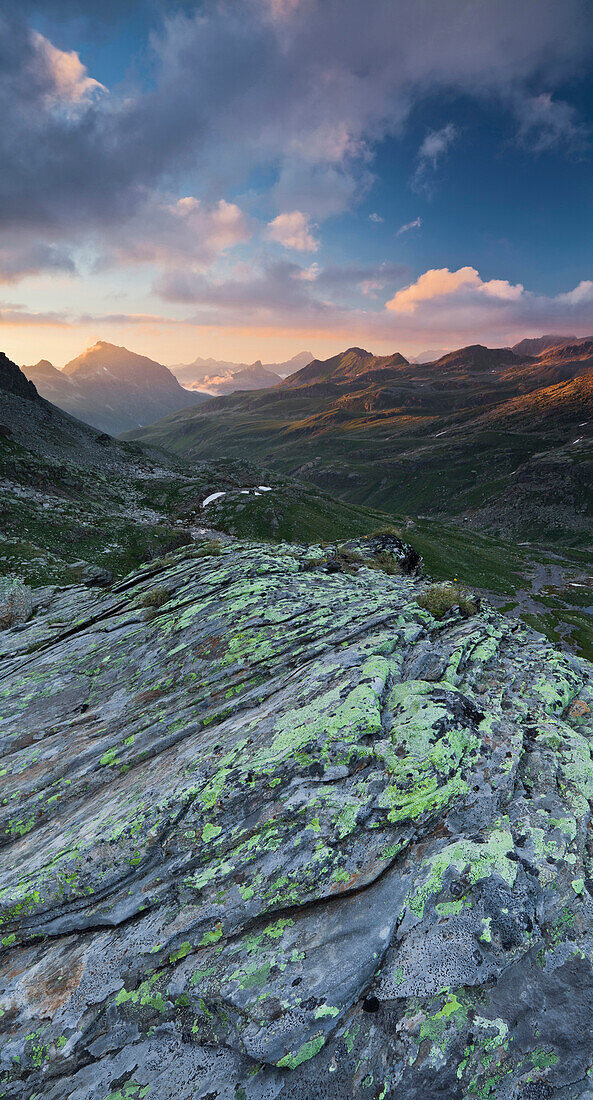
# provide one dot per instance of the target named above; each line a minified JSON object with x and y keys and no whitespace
{"x":538,"y":344}
{"x":477,"y":357}
{"x":253,"y":377}
{"x":111,"y":388}
{"x":217,"y":376}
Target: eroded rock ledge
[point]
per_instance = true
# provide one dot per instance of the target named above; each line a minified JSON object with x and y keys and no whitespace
{"x":277,"y":833}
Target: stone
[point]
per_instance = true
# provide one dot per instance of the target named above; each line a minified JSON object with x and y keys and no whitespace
{"x":290,"y":837}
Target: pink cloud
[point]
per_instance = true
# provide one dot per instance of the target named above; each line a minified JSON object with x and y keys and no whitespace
{"x":293,"y":231}
{"x":441,"y":283}
{"x":68,"y":82}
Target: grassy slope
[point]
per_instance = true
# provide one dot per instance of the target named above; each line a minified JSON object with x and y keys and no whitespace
{"x":444,"y":466}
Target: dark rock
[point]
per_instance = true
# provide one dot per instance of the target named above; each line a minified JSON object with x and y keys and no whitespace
{"x":92,"y":575}
{"x":12,"y":380}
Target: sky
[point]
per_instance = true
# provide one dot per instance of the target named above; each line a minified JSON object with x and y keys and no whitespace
{"x":251,"y":178}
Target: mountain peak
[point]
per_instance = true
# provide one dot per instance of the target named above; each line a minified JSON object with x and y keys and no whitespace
{"x":112,"y":388}
{"x":347,"y":366}
{"x":479,"y":357}
{"x":538,"y":345}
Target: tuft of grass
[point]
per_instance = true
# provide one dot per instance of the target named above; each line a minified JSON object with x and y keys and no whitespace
{"x":341,"y":560}
{"x":164,"y":562}
{"x":313,"y":563}
{"x":441,"y":598}
{"x":155,"y":597}
{"x":348,"y":557}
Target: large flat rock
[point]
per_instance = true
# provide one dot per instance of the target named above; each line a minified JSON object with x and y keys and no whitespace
{"x":276,"y":832}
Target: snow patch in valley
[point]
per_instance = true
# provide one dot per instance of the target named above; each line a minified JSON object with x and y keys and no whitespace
{"x":213,"y":496}
{"x":256,"y":490}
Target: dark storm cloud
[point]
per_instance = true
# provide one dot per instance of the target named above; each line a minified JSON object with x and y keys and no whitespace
{"x":23,"y":259}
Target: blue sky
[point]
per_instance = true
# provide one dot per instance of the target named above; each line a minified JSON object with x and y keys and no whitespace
{"x":246,"y":178}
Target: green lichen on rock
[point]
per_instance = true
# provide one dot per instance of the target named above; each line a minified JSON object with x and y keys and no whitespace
{"x":291,"y":837}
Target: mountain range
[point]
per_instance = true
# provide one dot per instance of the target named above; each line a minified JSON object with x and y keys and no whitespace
{"x":490,"y":436}
{"x":219,"y":377}
{"x":111,"y":388}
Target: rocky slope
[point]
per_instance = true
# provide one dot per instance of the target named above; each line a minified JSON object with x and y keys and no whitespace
{"x":13,"y":381}
{"x":272,"y":831}
{"x":111,"y":388}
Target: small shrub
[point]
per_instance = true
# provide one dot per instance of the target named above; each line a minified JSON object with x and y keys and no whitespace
{"x":210,"y":549}
{"x":164,"y":562}
{"x":155,"y":597}
{"x":385,"y":563}
{"x":16,"y":602}
{"x":313,"y":563}
{"x":440,"y":598}
{"x":348,"y":557}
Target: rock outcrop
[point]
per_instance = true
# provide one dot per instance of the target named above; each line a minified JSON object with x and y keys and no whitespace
{"x":277,"y":833}
{"x":13,"y":381}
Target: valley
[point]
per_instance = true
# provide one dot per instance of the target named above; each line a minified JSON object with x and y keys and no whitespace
{"x":74,"y":501}
{"x":487,"y":452}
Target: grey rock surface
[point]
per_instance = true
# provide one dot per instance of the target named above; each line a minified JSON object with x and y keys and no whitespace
{"x":272,"y":832}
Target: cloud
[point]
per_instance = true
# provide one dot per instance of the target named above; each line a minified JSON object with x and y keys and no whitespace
{"x":23,"y":259}
{"x":547,"y":124}
{"x":445,"y":308}
{"x":408,"y":226}
{"x":376,"y":218}
{"x":293,"y":231}
{"x":459,"y":306}
{"x":432,"y":150}
{"x":357,"y":302}
{"x":440,"y":283}
{"x":283,"y":9}
{"x":296,"y":93}
{"x":581,"y":295}
{"x":225,"y":90}
{"x":354,"y":304}
{"x":66,"y":78}
{"x":16,"y":314}
{"x":309,"y":274}
{"x":279,"y":291}
{"x":187,"y":230}
{"x":19,"y":315}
